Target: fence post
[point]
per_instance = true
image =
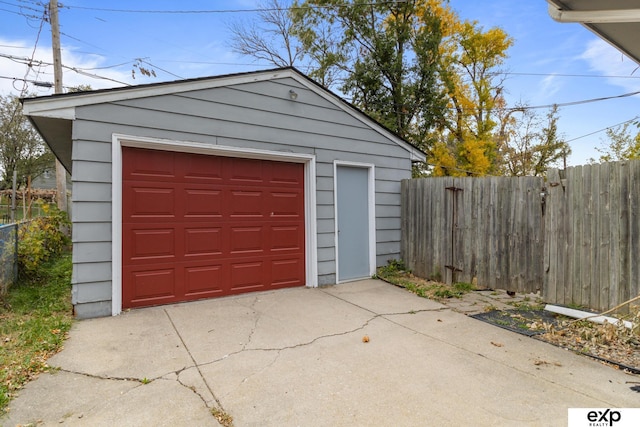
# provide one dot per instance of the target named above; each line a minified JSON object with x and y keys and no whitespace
{"x":15,"y":252}
{"x":13,"y":196}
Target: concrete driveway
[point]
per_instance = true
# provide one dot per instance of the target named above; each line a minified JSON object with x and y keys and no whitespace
{"x":296,"y":357}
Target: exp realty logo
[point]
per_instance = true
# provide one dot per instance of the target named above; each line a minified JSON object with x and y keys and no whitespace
{"x":604,"y":417}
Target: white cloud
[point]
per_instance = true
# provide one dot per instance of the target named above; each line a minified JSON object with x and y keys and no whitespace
{"x":16,"y":68}
{"x":607,"y":60}
{"x":550,"y":85}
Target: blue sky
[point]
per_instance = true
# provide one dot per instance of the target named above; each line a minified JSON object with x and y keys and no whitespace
{"x":550,"y":63}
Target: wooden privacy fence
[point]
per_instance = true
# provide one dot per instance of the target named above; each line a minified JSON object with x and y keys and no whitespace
{"x":592,"y":235}
{"x":575,"y":237}
{"x":486,"y":231}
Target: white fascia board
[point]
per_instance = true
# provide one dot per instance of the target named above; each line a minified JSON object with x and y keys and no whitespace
{"x":45,"y":110}
{"x":52,"y":105}
{"x":604,"y":16}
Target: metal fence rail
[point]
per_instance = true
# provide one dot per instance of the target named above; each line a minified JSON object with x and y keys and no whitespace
{"x":8,"y":256}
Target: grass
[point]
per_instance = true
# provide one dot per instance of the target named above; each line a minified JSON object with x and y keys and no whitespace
{"x":395,"y":272}
{"x":35,"y":317}
{"x":527,"y":305}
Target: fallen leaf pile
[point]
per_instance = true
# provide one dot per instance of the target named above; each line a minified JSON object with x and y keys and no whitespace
{"x":615,"y":343}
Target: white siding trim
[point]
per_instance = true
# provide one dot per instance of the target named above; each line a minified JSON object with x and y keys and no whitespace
{"x":372,"y":212}
{"x":116,"y":226}
{"x":119,"y":141}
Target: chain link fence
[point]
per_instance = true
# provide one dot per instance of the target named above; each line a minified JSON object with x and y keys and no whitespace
{"x":8,"y":256}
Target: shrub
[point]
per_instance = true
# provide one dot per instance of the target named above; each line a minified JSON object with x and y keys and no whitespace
{"x":41,"y":238}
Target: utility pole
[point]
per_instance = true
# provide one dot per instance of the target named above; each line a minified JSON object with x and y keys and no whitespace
{"x":61,"y":173}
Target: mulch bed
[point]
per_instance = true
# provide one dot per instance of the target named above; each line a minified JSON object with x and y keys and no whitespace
{"x":525,"y":322}
{"x":607,"y":343}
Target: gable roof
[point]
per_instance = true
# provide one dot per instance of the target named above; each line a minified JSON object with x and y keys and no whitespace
{"x":53,"y":115}
{"x":617,"y":22}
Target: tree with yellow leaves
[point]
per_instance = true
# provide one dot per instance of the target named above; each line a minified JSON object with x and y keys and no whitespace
{"x":414,"y":66}
{"x":469,"y":70}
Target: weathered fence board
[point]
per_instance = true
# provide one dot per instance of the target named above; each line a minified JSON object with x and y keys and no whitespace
{"x":483,"y":230}
{"x":580,"y":243}
{"x":592,"y":235}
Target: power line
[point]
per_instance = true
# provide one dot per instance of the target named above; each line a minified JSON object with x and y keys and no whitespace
{"x":214,"y":11}
{"x":20,"y":6}
{"x":83,"y":71}
{"x":569,"y":104}
{"x":31,"y":62}
{"x":569,"y":75}
{"x":603,"y":129}
{"x":13,"y":46}
{"x":161,"y":69}
{"x":33,"y":82}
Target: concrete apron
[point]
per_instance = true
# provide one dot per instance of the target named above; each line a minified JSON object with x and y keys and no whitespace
{"x":296,"y":357}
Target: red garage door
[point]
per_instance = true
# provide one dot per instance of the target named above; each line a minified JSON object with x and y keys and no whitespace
{"x":197,"y":226}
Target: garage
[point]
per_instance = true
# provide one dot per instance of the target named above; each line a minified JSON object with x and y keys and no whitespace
{"x":199,"y":226}
{"x":222,"y":185}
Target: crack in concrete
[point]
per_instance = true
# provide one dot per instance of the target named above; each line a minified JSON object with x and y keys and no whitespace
{"x":257,"y":315}
{"x":321,"y":337}
{"x":195,"y":365}
{"x":264,"y":368}
{"x":138,"y":384}
{"x":141,"y":382}
{"x":194,"y":389}
{"x":443,"y":308}
{"x":103,"y":377}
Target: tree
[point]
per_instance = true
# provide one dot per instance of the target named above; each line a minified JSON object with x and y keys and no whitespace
{"x":412,"y":65}
{"x":469,"y":62}
{"x":621,"y":144}
{"x":384,"y":54}
{"x":531,"y":145}
{"x":21,"y":148}
{"x":271,"y":39}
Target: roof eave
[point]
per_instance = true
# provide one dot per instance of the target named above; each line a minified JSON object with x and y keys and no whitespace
{"x":594,"y":19}
{"x":64,"y":106}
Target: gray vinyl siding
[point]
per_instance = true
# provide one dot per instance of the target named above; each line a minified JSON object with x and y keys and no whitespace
{"x":256,"y":115}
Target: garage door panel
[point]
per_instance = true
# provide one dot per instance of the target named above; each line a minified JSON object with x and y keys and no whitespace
{"x":147,"y":286}
{"x":245,"y":171}
{"x":286,"y":238}
{"x":148,"y":244}
{"x":219,"y":226}
{"x":203,"y":203}
{"x":247,"y":276}
{"x":202,"y":169}
{"x":286,"y":205}
{"x":286,"y":174}
{"x":148,"y":202}
{"x":286,"y":272}
{"x":148,"y":165}
{"x":207,"y":279}
{"x":246,"y":204}
{"x":247,"y":240}
{"x":203,"y":241}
